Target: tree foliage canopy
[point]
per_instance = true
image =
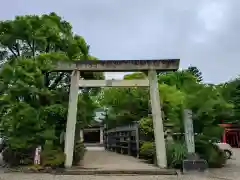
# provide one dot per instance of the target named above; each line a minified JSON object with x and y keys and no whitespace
{"x":178,"y":90}
{"x":34,"y":100}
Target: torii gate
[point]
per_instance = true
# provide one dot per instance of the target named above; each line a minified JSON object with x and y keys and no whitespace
{"x":151,"y":66}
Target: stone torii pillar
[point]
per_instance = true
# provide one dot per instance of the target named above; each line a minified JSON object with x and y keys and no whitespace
{"x":72,"y":118}
{"x":157,"y":119}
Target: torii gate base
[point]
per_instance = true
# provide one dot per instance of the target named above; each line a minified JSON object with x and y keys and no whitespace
{"x":135,"y":65}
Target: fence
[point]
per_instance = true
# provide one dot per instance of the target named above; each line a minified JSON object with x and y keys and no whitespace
{"x":124,"y":140}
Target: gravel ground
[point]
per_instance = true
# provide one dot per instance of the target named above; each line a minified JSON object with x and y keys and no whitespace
{"x":51,"y":177}
{"x":230,"y":172}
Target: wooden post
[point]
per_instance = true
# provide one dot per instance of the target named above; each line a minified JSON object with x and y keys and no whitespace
{"x":224,"y":139}
{"x":101,"y":136}
{"x":129,"y":143}
{"x":81,"y":135}
{"x":137,"y":139}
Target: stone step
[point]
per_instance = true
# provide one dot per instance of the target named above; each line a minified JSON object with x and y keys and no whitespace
{"x":75,"y":171}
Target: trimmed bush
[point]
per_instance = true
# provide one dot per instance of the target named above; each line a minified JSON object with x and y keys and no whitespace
{"x":211,"y":153}
{"x":147,"y":151}
{"x":52,"y":156}
{"x":16,"y":157}
{"x":79,"y":151}
{"x":11,"y":157}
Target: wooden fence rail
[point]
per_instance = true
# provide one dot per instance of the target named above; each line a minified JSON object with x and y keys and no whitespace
{"x":124,"y":140}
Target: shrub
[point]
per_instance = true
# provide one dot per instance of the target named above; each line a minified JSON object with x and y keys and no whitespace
{"x":147,"y":151}
{"x":52,"y":156}
{"x":79,"y":151}
{"x":15,"y":157}
{"x":176,"y":153}
{"x":11,"y":157}
{"x":211,"y":153}
{"x":218,"y":158}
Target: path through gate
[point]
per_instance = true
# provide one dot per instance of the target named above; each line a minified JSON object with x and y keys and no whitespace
{"x":149,"y":66}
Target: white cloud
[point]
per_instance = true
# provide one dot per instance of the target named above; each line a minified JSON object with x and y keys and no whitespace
{"x":212,"y":15}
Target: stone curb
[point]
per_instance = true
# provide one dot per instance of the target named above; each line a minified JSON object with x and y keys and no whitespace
{"x":100,"y":172}
{"x":117,"y":172}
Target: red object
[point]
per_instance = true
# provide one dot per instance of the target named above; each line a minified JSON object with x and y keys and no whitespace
{"x":225,"y":125}
{"x":231,"y":134}
{"x":224,"y":139}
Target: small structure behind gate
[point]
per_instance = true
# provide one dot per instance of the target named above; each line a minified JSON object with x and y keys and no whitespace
{"x":123,"y":139}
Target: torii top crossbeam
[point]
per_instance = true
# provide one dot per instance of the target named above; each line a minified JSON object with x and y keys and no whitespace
{"x":119,"y":65}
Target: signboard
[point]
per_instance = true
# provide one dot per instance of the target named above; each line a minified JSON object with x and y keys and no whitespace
{"x":119,"y":65}
{"x":37,"y":155}
{"x":189,"y":131}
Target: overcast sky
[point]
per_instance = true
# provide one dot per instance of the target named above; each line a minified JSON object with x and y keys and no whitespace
{"x":203,"y":33}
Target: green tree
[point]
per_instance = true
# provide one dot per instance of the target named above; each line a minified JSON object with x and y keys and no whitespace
{"x":195,"y":72}
{"x":131,"y":104}
{"x":31,"y":35}
{"x":231,"y":93}
{"x":206,"y":101}
{"x":33,"y":99}
{"x":178,"y":90}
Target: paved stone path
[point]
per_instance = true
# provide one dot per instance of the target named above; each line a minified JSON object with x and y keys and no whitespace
{"x":100,"y":159}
